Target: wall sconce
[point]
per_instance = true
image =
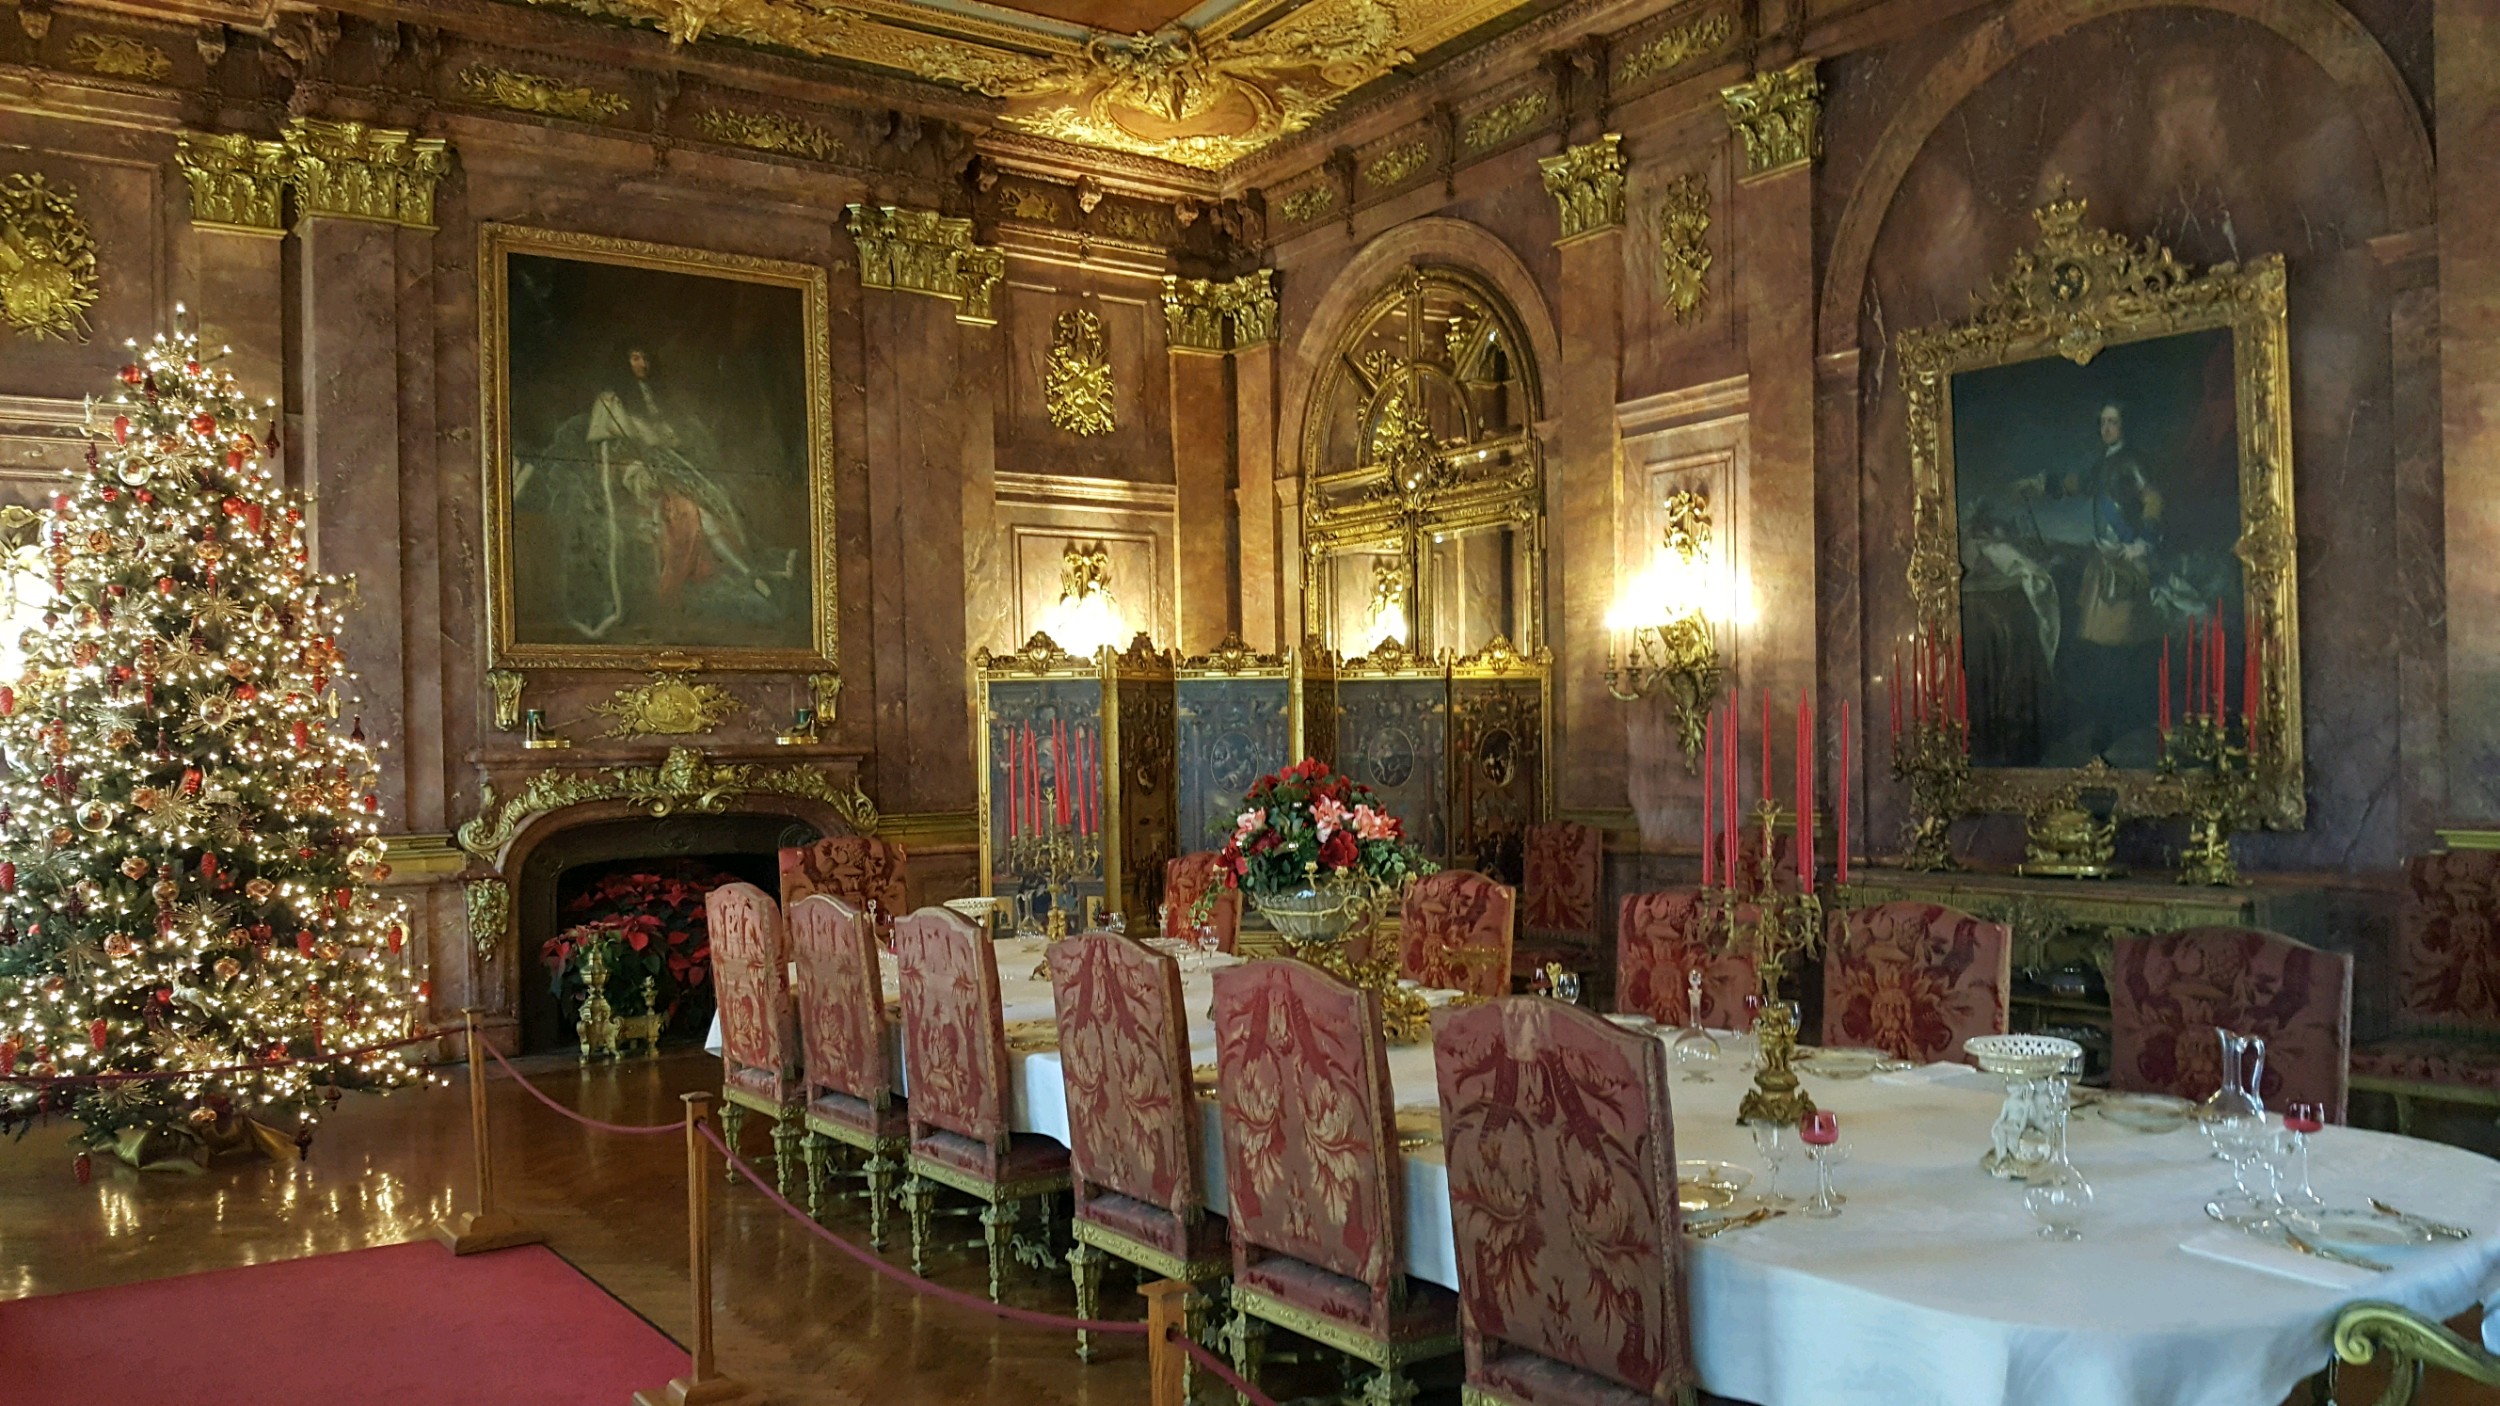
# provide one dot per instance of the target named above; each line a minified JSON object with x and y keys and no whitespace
{"x":1087,"y":618}
{"x":1660,"y":630}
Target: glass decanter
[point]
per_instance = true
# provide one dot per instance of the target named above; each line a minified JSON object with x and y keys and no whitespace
{"x":2058,"y":1196}
{"x":1695,"y":1050}
{"x":2234,"y":1116}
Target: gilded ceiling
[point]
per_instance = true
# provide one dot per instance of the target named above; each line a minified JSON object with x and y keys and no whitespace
{"x":1206,"y":88}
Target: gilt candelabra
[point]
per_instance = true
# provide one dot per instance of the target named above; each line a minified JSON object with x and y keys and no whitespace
{"x":2217,"y":777}
{"x":1785,"y":926}
{"x":1932,"y":756}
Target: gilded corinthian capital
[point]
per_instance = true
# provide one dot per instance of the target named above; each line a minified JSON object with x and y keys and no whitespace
{"x":235,"y":181}
{"x":348,"y":170}
{"x":1198,"y":311}
{"x":922,"y":251}
{"x":1779,"y":115}
{"x":1587,"y":184}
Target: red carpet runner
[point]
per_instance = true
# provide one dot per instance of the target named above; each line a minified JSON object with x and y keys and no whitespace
{"x":400,"y":1324}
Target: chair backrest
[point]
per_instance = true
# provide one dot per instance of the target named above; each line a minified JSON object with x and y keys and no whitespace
{"x":1914,"y":979}
{"x":1455,"y":932}
{"x":1124,"y":1052}
{"x":751,"y":980}
{"x":1562,"y":872}
{"x":954,"y":1039}
{"x":1659,"y":938}
{"x":841,"y":1003}
{"x":1561,"y":1151}
{"x":2168,"y":993}
{"x":858,"y":869}
{"x":1183,"y":880}
{"x":1310,"y":1143}
{"x":2448,"y":947}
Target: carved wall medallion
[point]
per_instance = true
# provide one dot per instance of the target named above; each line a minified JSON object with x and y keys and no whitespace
{"x":349,"y":170}
{"x":768,"y":131}
{"x":686,"y":780}
{"x":489,"y":904}
{"x":1505,"y":120}
{"x":1684,"y":246}
{"x":1398,"y":164}
{"x":670,"y":705}
{"x":236,"y":182}
{"x":1674,"y":48}
{"x":1076,"y":379}
{"x":1587,"y":185}
{"x":1779,"y":115}
{"x":120,"y":56}
{"x":1302,"y":206}
{"x":515,"y":91}
{"x":47,"y":259}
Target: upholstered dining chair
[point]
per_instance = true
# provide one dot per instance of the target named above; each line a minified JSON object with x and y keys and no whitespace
{"x":1661,"y":939}
{"x":1184,"y":879}
{"x":955,"y":1050}
{"x":2168,"y":993}
{"x":759,"y":1023}
{"x":2446,"y":1044}
{"x":1313,"y":1178}
{"x":1455,"y":931}
{"x":1562,"y":867}
{"x":847,"y":1098}
{"x":867,"y":873}
{"x":1914,"y":979}
{"x":1561,"y":1153}
{"x":1134,"y":1156}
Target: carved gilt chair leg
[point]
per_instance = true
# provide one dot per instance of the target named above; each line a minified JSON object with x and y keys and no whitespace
{"x":1085,"y":1269}
{"x":998,"y":1228}
{"x":815,"y":1148}
{"x":733,"y":1121}
{"x":880,"y":1173}
{"x":1194,"y":1308}
{"x":786,"y":1139}
{"x":1245,"y":1341}
{"x":917,"y":1196}
{"x":1388,"y":1387}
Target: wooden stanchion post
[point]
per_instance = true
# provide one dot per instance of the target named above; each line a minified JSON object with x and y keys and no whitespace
{"x":702,"y":1385}
{"x":1167,"y":1364}
{"x":484,"y":1228}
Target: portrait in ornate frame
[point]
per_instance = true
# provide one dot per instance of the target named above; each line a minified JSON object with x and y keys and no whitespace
{"x":659,"y":455}
{"x":2099,"y":453}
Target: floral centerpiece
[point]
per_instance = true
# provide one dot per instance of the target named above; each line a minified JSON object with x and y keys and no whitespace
{"x":652,"y":925}
{"x":1310,"y":828}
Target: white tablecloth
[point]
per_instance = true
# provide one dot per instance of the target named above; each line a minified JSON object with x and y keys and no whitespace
{"x":1932,"y":1288}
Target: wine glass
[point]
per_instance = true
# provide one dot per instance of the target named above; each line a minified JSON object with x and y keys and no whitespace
{"x":2058,"y":1196}
{"x":1565,"y":985}
{"x":2300,"y":1120}
{"x":1695,"y":1049}
{"x":1819,"y":1130}
{"x":1769,"y":1141}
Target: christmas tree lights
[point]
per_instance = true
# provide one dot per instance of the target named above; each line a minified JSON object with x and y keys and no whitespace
{"x":189,"y":843}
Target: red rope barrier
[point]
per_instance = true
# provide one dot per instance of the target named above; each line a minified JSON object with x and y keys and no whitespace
{"x":1222,"y":1369}
{"x":142,"y":1075}
{"x":877,"y":1262}
{"x":627,"y":1129}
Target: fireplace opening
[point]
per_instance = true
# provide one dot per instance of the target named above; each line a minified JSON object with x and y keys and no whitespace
{"x":637,"y":886}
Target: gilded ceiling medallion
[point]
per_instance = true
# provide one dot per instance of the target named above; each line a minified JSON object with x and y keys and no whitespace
{"x":47,"y":259}
{"x":1076,"y":380}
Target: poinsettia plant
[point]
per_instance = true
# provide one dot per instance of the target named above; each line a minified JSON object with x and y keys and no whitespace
{"x":652,"y":923}
{"x":1312,"y":815}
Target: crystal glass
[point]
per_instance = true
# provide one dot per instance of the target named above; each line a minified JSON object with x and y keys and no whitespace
{"x":2299,"y":1121}
{"x":2058,"y":1196}
{"x":1117,"y":921}
{"x":1820,"y":1131}
{"x":1565,"y":986}
{"x":1695,"y":1050}
{"x":1770,"y":1140}
{"x":1163,"y":918}
{"x":2233,"y":1113}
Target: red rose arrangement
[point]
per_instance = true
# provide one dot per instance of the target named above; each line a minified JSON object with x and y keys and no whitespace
{"x":1309,"y":814}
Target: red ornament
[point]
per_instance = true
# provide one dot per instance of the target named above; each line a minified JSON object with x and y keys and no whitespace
{"x":304,"y":941}
{"x":111,"y":493}
{"x":425,"y":991}
{"x":247,"y":692}
{"x":208,"y":865}
{"x":232,"y":507}
{"x":164,"y":585}
{"x":8,"y":699}
{"x":143,"y":495}
{"x":96,"y":1033}
{"x":83,"y":1168}
{"x":398,"y":935}
{"x":132,"y":375}
{"x":8,"y":876}
{"x":121,"y":429}
{"x":190,"y":781}
{"x":8,"y":1056}
{"x":234,"y":459}
{"x":302,"y":733}
{"x":190,"y":368}
{"x":204,"y":423}
{"x":252,"y":515}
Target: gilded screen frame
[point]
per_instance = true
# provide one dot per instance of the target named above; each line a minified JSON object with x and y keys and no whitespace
{"x":2076,"y":291}
{"x":496,"y":243}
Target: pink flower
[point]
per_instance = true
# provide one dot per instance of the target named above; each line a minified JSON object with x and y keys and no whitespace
{"x":1328,"y":815}
{"x":1372,"y":824}
{"x":1248,"y":823}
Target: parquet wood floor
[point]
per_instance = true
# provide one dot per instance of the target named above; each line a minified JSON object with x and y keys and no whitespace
{"x":795,"y":1316}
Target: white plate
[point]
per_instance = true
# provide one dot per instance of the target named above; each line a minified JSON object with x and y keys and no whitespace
{"x":2344,"y":1227}
{"x":1708,"y":1188}
{"x":1633,"y":1020}
{"x":2146,"y":1113}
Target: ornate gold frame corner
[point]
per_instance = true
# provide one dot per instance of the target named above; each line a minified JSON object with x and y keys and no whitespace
{"x":496,"y":243}
{"x":2076,"y":291}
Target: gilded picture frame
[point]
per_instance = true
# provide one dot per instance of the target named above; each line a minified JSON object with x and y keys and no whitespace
{"x":2080,"y":295}
{"x":708,"y":458}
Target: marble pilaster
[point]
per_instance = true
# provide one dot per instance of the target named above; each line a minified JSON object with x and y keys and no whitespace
{"x":2466,"y":44}
{"x":1583,"y":474}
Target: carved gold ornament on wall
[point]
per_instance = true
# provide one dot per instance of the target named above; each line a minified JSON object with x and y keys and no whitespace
{"x":47,"y":259}
{"x":120,"y":56}
{"x":1076,"y":379}
{"x":1779,"y":116}
{"x":1203,"y":97}
{"x":349,"y":170}
{"x":922,"y":251}
{"x":768,"y":131}
{"x":1587,"y":185}
{"x":2076,"y":293}
{"x":529,"y":92}
{"x":237,"y":182}
{"x":1509,"y":118}
{"x":1197,"y":311}
{"x":670,"y":705}
{"x":489,"y":904}
{"x":1675,"y":47}
{"x":686,"y":780}
{"x":1684,"y":246}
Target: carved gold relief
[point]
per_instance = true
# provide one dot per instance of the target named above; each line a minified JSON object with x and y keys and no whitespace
{"x":1684,"y":246}
{"x":489,"y":905}
{"x":1779,"y":115}
{"x":1587,"y":185}
{"x":530,"y":92}
{"x":826,"y":689}
{"x":670,"y":705}
{"x":1196,"y":311}
{"x":1504,"y":120}
{"x":922,"y":251}
{"x":768,"y":131}
{"x":120,"y":56}
{"x":1129,"y":222}
{"x":1028,"y":204}
{"x":1395,"y":165}
{"x":1076,"y":378}
{"x":352,"y":171}
{"x":686,"y":780}
{"x":1307,"y":204}
{"x":47,"y":259}
{"x":236,"y":182}
{"x":506,"y":685}
{"x":1675,"y":47}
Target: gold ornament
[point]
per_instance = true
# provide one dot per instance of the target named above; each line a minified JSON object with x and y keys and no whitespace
{"x":1076,"y":380}
{"x":122,"y":739}
{"x":134,"y":868}
{"x":117,"y":945}
{"x":63,"y":836}
{"x":96,"y":817}
{"x":211,"y":553}
{"x":671,"y":705}
{"x":328,"y":951}
{"x":100,"y":542}
{"x":47,"y":259}
{"x":260,"y":890}
{"x":166,"y":892}
{"x":146,"y":798}
{"x":227,"y":969}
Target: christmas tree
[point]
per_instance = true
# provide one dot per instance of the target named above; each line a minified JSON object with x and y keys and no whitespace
{"x":188,"y":841}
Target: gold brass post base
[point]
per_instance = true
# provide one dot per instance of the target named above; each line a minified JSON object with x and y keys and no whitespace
{"x":475,"y":1232}
{"x":712,"y":1391}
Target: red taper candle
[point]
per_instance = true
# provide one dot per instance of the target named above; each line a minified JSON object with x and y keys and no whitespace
{"x":1709,"y":798}
{"x":1840,"y":810}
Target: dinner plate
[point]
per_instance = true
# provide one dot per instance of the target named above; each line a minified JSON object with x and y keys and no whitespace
{"x":2347,"y":1226}
{"x":1841,"y":1063}
{"x":2146,"y":1113}
{"x":1708,"y":1188}
{"x":1633,"y":1020}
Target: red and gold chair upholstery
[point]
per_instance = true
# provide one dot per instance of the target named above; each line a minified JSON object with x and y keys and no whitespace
{"x":955,"y":1047}
{"x":2446,"y":1045}
{"x":1660,"y":939}
{"x":1455,"y":932}
{"x":1135,"y":1156}
{"x":2168,"y":993}
{"x":1563,"y":876}
{"x":759,"y":1021}
{"x":1312,"y":1172}
{"x":1561,"y":1152}
{"x":1914,"y":980}
{"x":847,"y":1096}
{"x":1183,"y":880}
{"x":868,"y":874}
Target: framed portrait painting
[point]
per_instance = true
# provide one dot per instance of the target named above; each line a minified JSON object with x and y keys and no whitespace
{"x":2102,"y":459}
{"x":659,"y":455}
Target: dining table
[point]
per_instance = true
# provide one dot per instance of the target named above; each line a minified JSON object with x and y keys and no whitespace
{"x":1933,"y":1285}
